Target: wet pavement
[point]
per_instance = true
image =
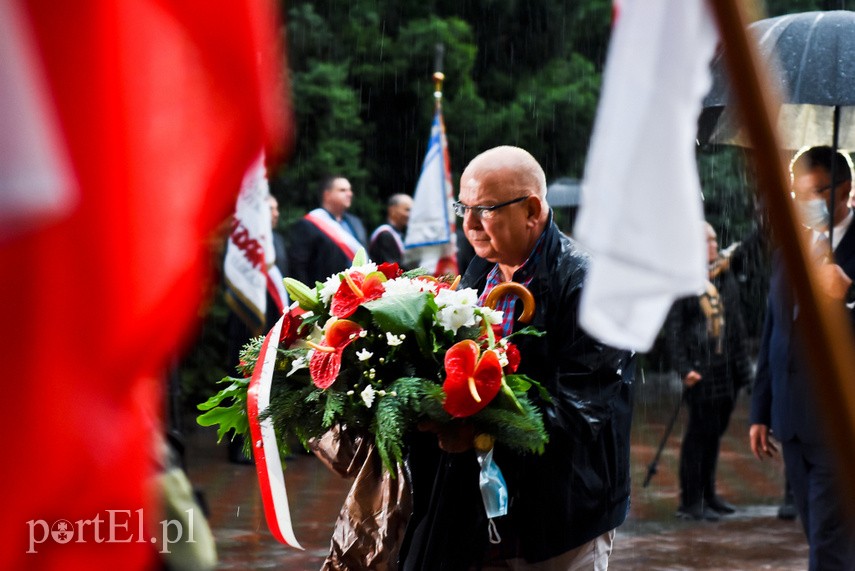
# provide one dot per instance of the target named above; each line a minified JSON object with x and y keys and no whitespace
{"x":651,"y":539}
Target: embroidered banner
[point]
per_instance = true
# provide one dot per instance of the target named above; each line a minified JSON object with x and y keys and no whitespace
{"x":250,"y":255}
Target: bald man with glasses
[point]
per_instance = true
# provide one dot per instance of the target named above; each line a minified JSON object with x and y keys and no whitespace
{"x":564,"y":504}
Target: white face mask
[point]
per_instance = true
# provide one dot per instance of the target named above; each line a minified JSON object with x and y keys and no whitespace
{"x":814,"y":213}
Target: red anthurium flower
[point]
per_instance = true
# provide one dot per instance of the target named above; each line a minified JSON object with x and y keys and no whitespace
{"x":472,"y":379}
{"x":325,"y":363}
{"x":513,"y":355}
{"x":390,"y":270}
{"x":355,"y":290}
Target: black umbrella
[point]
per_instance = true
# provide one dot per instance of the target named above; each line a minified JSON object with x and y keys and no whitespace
{"x":812,"y":57}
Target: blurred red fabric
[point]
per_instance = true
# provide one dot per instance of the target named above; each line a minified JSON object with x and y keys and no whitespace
{"x":163,"y":106}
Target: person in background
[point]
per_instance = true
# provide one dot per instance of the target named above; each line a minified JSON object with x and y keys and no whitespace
{"x":387,"y":240}
{"x":706,"y":338}
{"x":783,"y":401}
{"x":278,"y":238}
{"x":326,"y":239}
{"x":565,"y":504}
{"x":281,"y":260}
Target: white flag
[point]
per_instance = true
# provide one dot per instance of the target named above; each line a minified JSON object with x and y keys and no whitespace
{"x":641,"y":215}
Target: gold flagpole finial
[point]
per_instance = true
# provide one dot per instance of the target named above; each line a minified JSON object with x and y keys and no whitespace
{"x":438,"y":76}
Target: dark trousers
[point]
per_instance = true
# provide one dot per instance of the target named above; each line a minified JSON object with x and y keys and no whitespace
{"x":699,"y":452}
{"x":811,"y":474}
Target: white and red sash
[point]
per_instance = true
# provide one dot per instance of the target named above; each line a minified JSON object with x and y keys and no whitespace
{"x":265,"y":448}
{"x":391,"y":230}
{"x":331,"y":228}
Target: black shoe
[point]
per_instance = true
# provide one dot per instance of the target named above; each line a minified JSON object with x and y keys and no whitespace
{"x":716,"y":503}
{"x":697,"y":512}
{"x":787,"y":512}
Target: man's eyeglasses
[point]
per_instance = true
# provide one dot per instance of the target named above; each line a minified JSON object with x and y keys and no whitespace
{"x":484,"y":212}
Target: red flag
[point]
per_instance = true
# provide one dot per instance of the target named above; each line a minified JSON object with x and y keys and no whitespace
{"x":163,"y":106}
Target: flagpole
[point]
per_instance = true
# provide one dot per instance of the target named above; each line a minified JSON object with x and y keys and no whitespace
{"x":438,"y":76}
{"x":827,"y":332}
{"x":448,"y":260}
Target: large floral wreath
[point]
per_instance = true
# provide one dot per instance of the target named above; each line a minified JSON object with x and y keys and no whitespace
{"x":378,"y":350}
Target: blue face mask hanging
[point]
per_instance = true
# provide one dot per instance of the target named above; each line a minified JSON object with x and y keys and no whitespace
{"x":494,"y":491}
{"x":814,"y":213}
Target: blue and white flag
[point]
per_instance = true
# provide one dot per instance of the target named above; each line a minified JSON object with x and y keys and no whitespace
{"x":431,"y":228}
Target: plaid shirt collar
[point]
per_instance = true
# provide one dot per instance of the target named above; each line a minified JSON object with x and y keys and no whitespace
{"x":523,"y":275}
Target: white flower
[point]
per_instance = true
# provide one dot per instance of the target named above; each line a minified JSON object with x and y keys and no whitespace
{"x":466,"y":296}
{"x":491,"y":316}
{"x":503,"y":358}
{"x":330,"y":287}
{"x":364,"y":354}
{"x":364,"y":269}
{"x":454,"y":317}
{"x":394,"y":340}
{"x":402,"y":286}
{"x":457,"y":308}
{"x":367,"y":395}
{"x":296,"y":365}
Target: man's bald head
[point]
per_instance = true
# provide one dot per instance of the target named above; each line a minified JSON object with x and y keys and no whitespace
{"x":528,"y":174}
{"x":512,"y":181}
{"x":398,"y":210}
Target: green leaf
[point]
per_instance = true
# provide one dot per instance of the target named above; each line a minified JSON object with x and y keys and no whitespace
{"x":522,"y":383}
{"x":234,"y":390}
{"x":520,"y":429}
{"x":403,"y":314}
{"x":229,"y":418}
{"x":396,"y":413}
{"x":528,"y":330}
{"x":332,"y":408}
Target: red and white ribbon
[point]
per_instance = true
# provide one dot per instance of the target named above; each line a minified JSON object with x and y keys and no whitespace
{"x":268,"y":466}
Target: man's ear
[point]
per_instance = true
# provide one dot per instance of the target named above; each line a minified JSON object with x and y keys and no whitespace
{"x":534,"y":210}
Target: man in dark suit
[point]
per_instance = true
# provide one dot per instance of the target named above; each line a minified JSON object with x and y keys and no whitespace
{"x":387,"y":241}
{"x":783,"y":396}
{"x":326,"y":239}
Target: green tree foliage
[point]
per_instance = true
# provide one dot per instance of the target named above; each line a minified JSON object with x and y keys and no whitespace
{"x":516,"y":72}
